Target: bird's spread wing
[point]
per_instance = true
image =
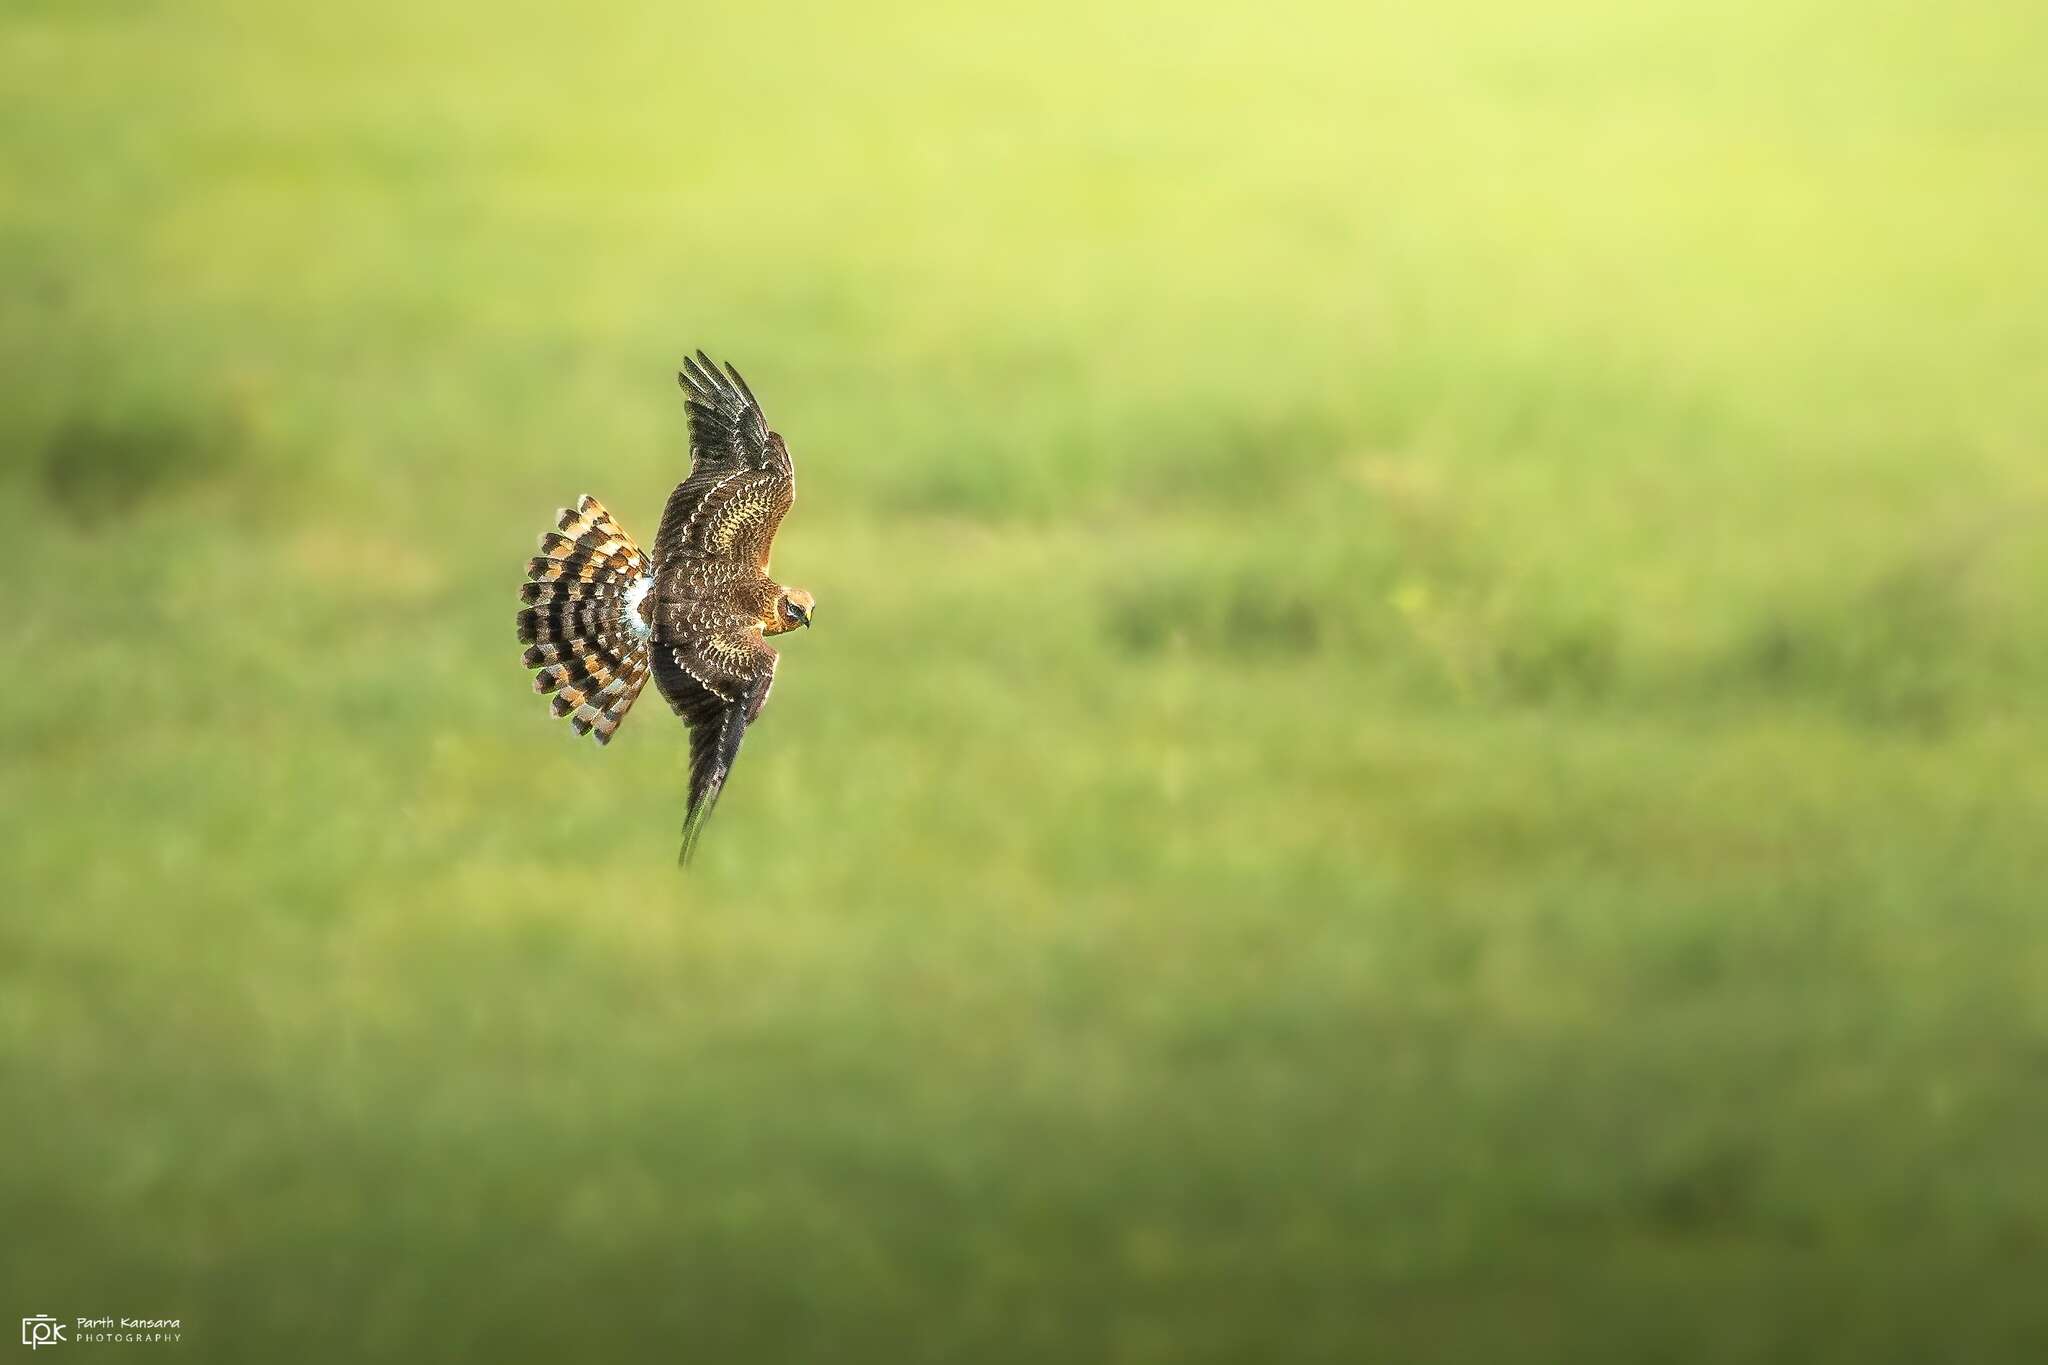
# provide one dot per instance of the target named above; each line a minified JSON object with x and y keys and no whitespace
{"x":717,"y":681}
{"x":741,"y":479}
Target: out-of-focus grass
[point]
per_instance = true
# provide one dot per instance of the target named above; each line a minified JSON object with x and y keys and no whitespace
{"x":1423,"y":739}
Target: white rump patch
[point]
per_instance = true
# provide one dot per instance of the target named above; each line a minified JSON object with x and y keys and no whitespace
{"x":635,"y":622}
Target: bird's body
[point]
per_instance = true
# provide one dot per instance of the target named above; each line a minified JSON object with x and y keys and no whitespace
{"x":602,"y":615}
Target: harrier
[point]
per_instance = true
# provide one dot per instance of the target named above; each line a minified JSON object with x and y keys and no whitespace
{"x":600,"y":613}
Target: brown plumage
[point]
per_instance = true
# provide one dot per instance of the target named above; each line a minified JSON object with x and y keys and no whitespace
{"x":601,"y":615}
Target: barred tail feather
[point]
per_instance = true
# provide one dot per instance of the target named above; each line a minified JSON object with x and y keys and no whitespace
{"x":582,"y":625}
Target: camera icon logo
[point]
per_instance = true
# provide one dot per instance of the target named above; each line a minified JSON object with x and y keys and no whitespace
{"x":40,"y":1331}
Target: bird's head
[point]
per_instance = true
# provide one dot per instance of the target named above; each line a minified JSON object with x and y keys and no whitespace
{"x":792,"y":609}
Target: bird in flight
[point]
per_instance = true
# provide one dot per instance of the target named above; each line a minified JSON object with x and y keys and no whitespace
{"x":601,"y":614}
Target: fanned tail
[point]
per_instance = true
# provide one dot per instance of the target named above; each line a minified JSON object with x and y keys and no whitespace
{"x":583,"y":624}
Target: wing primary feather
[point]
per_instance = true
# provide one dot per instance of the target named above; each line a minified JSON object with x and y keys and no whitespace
{"x":693,"y":377}
{"x":713,"y":750}
{"x":701,"y":380}
{"x":709,"y":419}
{"x":745,"y":392}
{"x":714,"y":380}
{"x":718,"y":723}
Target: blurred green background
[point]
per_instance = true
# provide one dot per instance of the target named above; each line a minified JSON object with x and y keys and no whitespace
{"x":1424,"y":740}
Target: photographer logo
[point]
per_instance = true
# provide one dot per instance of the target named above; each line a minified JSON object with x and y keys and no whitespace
{"x":43,"y":1330}
{"x":40,"y":1331}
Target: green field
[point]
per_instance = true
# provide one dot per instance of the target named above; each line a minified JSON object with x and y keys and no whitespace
{"x":1426,"y":740}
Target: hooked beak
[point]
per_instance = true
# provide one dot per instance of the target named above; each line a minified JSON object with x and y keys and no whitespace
{"x":803,"y":616}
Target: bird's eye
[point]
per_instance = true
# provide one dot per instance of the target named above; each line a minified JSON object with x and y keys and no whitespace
{"x":789,"y":610}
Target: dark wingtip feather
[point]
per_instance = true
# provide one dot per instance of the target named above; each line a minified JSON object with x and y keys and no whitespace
{"x":712,"y":755}
{"x":746,"y":392}
{"x":701,"y":377}
{"x":693,"y":823}
{"x":693,"y":832}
